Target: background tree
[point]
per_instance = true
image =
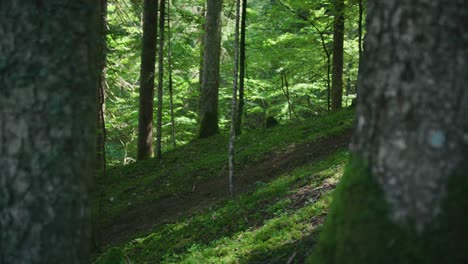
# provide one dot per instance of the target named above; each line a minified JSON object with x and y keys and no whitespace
{"x":169,"y":66}
{"x":101,"y":128}
{"x":235,"y":82}
{"x":242,"y":68}
{"x":162,"y":17}
{"x":338,"y":39}
{"x":148,"y":60}
{"x":210,"y":87}
{"x":360,"y":26}
{"x":49,"y":72}
{"x":403,"y":197}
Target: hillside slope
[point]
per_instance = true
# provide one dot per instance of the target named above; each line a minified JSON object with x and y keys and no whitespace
{"x":152,"y":198}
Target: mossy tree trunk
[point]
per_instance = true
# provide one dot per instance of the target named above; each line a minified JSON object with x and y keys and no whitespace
{"x":210,"y":86}
{"x":147,"y":71}
{"x":404,"y":196}
{"x":49,"y":74}
{"x":338,"y":40}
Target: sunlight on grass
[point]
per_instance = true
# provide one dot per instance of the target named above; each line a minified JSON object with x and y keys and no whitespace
{"x":268,"y":225}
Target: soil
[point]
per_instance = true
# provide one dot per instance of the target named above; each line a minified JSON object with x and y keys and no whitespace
{"x":141,"y":220}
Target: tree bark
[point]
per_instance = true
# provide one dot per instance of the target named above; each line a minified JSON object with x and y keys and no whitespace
{"x":162,"y":12}
{"x":232,"y":137}
{"x":210,"y":87}
{"x":242,"y":69}
{"x":101,"y":127}
{"x":404,"y":195}
{"x":202,"y":49}
{"x":169,"y":62}
{"x":338,"y":39}
{"x":410,"y":108}
{"x":49,"y":74}
{"x":148,"y":60}
{"x":361,"y":12}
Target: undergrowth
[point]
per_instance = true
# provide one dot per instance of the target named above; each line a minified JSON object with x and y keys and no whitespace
{"x":141,"y":183}
{"x":276,"y":223}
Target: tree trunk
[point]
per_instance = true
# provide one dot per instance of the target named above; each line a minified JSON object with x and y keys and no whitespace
{"x":234,"y":102}
{"x":242,"y":69}
{"x":361,"y":11}
{"x":328,"y":57}
{"x":202,"y":49}
{"x":338,"y":38}
{"x":210,"y":87}
{"x":101,"y":127}
{"x":169,"y":62}
{"x":403,"y":198}
{"x":49,"y":73}
{"x":285,"y":88}
{"x":148,"y":60}
{"x":162,"y":12}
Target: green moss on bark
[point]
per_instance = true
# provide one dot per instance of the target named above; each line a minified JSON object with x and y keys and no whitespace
{"x":358,"y":229}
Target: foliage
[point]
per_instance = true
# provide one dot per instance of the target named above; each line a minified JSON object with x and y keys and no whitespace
{"x":281,"y":35}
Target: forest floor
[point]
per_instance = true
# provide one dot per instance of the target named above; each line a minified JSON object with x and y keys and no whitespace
{"x":203,"y":195}
{"x":184,"y":209}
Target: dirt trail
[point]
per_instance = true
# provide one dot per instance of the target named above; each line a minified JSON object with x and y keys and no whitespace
{"x":142,"y":219}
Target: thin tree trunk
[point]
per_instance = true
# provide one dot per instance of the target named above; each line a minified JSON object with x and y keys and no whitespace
{"x":291,"y":106}
{"x":328,"y":81}
{"x":285,"y":88}
{"x":169,"y":57}
{"x":101,"y":128}
{"x":328,"y":56}
{"x":234,"y":102}
{"x":338,"y":39}
{"x":162,"y":14}
{"x":148,"y":60}
{"x":361,"y":11}
{"x":49,"y":72}
{"x":242,"y":69}
{"x":210,"y":87}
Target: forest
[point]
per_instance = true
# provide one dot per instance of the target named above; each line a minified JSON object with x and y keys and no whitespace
{"x":234,"y":131}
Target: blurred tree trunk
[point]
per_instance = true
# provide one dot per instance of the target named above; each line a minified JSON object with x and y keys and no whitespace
{"x":210,"y":87}
{"x":148,"y":60}
{"x":242,"y":69}
{"x":162,"y":16}
{"x":403,"y":197}
{"x":49,"y":73}
{"x":338,"y":39}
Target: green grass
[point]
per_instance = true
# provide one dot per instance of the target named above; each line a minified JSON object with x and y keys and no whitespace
{"x":127,"y":187}
{"x":263,"y":226}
